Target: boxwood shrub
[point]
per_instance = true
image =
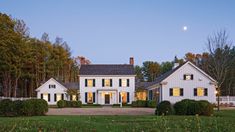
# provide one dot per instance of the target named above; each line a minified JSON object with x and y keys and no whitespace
{"x":64,"y":103}
{"x":139,"y":103}
{"x":31,"y":107}
{"x":192,"y":107}
{"x":164,"y":108}
{"x":152,"y":104}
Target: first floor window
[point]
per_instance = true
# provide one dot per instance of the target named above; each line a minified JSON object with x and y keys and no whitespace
{"x":176,"y":91}
{"x":90,"y":97}
{"x":124,"y":97}
{"x":46,"y":96}
{"x":200,"y":91}
{"x":74,"y":97}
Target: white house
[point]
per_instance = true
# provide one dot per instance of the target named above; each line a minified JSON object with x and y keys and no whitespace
{"x":53,"y":91}
{"x":107,"y":84}
{"x":183,"y":82}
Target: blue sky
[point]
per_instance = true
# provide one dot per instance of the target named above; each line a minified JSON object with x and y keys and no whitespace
{"x":110,"y":31}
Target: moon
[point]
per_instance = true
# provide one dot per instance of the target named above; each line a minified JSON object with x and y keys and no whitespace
{"x":185,"y":28}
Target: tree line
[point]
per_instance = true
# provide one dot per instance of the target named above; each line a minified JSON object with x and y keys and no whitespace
{"x":26,"y":62}
{"x":218,"y":62}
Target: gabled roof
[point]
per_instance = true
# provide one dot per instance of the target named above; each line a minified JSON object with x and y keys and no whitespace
{"x":71,"y":85}
{"x":110,"y":69}
{"x":51,"y":79}
{"x":167,"y":74}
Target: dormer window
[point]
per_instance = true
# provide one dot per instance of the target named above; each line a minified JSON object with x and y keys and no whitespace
{"x":188,"y":76}
{"x":52,"y":86}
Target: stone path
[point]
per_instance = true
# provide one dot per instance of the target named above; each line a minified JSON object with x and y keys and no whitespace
{"x":101,"y":111}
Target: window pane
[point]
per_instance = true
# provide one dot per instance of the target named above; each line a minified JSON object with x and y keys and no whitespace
{"x":74,"y":98}
{"x":200,"y":91}
{"x":90,"y":97}
{"x":124,"y":82}
{"x":176,"y":91}
{"x":90,"y":82}
{"x":45,"y":96}
{"x":188,"y":77}
{"x":107,"y":82}
{"x":124,"y":97}
{"x":59,"y":97}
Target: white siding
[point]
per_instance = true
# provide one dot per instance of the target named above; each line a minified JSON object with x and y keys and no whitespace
{"x":176,"y":80}
{"x":44,"y":89}
{"x":115,"y":87}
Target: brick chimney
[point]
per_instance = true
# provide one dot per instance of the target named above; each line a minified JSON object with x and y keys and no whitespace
{"x":82,"y":61}
{"x":131,"y":60}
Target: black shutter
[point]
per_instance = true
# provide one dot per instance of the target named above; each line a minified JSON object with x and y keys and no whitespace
{"x":181,"y":92}
{"x":205,"y":92}
{"x":49,"y":97}
{"x":120,"y":82}
{"x":195,"y":92}
{"x":49,"y":86}
{"x":93,"y":97}
{"x":184,"y":77}
{"x":171,"y":91}
{"x":76,"y":97}
{"x":62,"y":96}
{"x":93,"y":82}
{"x":119,"y":97}
{"x":71,"y":96}
{"x":191,"y":76}
{"x":128,"y":97}
{"x":55,"y":99}
{"x":85,"y":82}
{"x":111,"y":82}
{"x":41,"y":96}
{"x":102,"y":82}
{"x":150,"y":95}
{"x":85,"y":97}
{"x":128,"y":82}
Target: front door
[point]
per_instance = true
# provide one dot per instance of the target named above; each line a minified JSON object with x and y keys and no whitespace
{"x":107,"y":99}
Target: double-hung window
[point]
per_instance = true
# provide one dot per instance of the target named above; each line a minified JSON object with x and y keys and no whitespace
{"x":124,"y":82}
{"x":176,"y":91}
{"x":200,"y":91}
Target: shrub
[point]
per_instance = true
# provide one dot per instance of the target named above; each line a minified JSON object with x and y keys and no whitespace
{"x":17,"y":106}
{"x":192,"y":107}
{"x":76,"y":103}
{"x":61,"y":103}
{"x":152,"y":104}
{"x":116,"y":105}
{"x":164,"y":108}
{"x":134,"y":104}
{"x":34,"y":107}
{"x":6,"y":108}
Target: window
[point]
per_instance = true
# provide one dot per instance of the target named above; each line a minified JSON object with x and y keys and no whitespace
{"x":59,"y":97}
{"x":124,"y":97}
{"x":89,"y":82}
{"x":52,"y":86}
{"x":107,"y":82}
{"x":176,"y":91}
{"x":90,"y":97}
{"x":188,"y":76}
{"x":74,"y":97}
{"x":200,"y":91}
{"x":124,"y":82}
{"x":46,"y":96}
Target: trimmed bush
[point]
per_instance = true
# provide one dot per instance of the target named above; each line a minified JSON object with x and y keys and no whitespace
{"x":18,"y":105}
{"x":152,"y":104}
{"x":116,"y":105}
{"x":76,"y":104}
{"x":192,"y":107}
{"x":164,"y":108}
{"x":139,"y":103}
{"x":134,"y":104}
{"x":34,"y":107}
{"x":61,"y":103}
{"x":7,"y":108}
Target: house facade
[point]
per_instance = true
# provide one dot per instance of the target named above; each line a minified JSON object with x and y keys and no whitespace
{"x":183,"y":82}
{"x":107,"y":84}
{"x":52,"y":91}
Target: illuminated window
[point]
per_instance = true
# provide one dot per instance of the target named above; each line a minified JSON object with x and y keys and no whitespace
{"x":124,"y":82}
{"x":45,"y":96}
{"x":176,"y":92}
{"x":74,"y":98}
{"x":90,"y":82}
{"x":107,"y":82}
{"x":124,"y":97}
{"x":188,"y":76}
{"x":141,"y":95}
{"x":58,"y":97}
{"x":90,"y":97}
{"x":200,"y":91}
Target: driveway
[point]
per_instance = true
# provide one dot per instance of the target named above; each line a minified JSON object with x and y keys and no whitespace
{"x":101,"y":111}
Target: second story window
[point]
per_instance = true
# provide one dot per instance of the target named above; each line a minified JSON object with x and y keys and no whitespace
{"x":124,"y":82}
{"x":176,"y":91}
{"x":89,"y":82}
{"x":107,"y":82}
{"x":188,"y":76}
{"x":52,"y":86}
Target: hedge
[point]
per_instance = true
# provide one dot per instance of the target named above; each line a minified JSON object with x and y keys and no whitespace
{"x":64,"y":103}
{"x":164,"y":108}
{"x":193,"y":107}
{"x":31,"y":107}
{"x":152,"y":104}
{"x":139,"y":103}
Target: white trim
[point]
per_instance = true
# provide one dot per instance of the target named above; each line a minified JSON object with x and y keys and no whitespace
{"x":106,"y":75}
{"x":51,"y":79}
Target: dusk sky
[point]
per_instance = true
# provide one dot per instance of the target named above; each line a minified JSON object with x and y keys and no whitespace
{"x":110,"y":31}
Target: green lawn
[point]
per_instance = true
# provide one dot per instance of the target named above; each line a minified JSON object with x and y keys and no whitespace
{"x":221,"y":121}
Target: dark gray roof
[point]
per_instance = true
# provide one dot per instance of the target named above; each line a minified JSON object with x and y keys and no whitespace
{"x":71,"y":85}
{"x":163,"y":76}
{"x":111,"y":69}
{"x":142,"y":85}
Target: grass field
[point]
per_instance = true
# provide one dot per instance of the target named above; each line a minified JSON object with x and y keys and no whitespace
{"x":221,"y":121}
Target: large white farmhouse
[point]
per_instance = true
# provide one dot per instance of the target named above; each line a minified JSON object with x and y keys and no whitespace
{"x":107,"y":84}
